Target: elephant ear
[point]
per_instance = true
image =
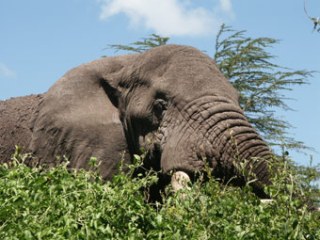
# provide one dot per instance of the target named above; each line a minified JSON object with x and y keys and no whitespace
{"x":79,"y":118}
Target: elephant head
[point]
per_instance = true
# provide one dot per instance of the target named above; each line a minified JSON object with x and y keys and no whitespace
{"x":171,"y":100}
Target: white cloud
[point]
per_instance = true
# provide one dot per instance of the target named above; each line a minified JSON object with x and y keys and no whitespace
{"x":226,"y":7}
{"x":5,"y":71}
{"x":167,"y":17}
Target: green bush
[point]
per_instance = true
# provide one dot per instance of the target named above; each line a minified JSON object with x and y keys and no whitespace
{"x":60,"y":203}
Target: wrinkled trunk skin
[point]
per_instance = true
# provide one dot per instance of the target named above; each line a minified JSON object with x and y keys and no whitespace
{"x":15,"y":117}
{"x":213,"y":130}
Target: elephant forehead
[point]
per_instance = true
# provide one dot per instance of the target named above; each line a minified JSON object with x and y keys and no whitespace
{"x":184,"y":72}
{"x":159,"y":59}
{"x":190,"y":86}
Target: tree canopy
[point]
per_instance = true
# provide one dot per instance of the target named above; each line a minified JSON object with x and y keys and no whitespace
{"x":151,"y":41}
{"x":262,"y":84}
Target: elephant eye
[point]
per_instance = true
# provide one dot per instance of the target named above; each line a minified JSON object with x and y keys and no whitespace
{"x":159,"y":107}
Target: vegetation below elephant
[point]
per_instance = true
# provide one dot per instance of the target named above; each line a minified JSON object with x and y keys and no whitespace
{"x":75,"y":204}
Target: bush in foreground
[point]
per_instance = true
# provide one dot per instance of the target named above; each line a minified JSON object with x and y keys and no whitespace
{"x":63,"y":204}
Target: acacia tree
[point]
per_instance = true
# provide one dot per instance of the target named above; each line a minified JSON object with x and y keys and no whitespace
{"x":151,"y":41}
{"x":262,"y":84}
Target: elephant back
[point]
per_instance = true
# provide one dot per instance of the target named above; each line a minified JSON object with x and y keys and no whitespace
{"x":15,"y":116}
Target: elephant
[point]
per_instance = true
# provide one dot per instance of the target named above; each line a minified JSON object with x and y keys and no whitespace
{"x":171,"y":101}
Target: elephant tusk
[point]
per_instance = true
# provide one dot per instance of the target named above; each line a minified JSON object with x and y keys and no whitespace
{"x":180,"y":180}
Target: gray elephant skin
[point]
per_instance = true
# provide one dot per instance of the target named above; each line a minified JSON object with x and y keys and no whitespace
{"x":171,"y":101}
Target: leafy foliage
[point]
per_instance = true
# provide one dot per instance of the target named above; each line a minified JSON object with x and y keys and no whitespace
{"x":153,"y":40}
{"x":262,"y":84}
{"x":65,"y":204}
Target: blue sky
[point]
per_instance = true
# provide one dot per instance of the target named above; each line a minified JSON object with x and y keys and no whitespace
{"x":41,"y":40}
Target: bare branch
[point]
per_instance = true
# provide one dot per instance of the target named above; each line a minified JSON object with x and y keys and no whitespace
{"x":315,"y":20}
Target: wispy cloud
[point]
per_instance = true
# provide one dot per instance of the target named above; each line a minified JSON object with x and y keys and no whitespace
{"x":226,"y":7}
{"x":5,"y":71}
{"x":167,"y":17}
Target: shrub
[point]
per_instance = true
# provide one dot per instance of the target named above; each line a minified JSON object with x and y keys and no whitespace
{"x":59,"y":203}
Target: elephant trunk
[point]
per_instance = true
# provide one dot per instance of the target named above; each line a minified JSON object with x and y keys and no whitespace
{"x":215,"y":130}
{"x":239,"y":148}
